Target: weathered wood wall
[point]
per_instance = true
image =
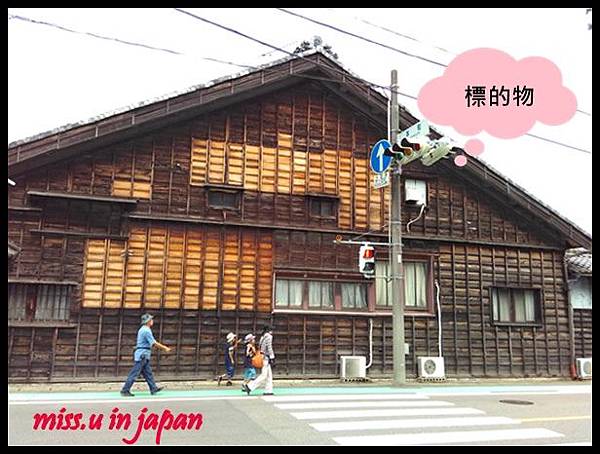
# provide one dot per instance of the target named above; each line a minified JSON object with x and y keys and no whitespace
{"x":277,"y":151}
{"x":206,"y":271}
{"x":582,"y":323}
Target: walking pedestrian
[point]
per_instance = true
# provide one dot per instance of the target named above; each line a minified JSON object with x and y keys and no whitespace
{"x":141,"y":357}
{"x":265,"y":346}
{"x":231,"y":343}
{"x":249,"y":369}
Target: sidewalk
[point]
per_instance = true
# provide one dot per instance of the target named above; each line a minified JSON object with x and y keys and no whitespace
{"x":188,"y":385}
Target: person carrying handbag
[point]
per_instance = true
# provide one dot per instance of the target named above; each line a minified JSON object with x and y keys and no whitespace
{"x":265,"y":346}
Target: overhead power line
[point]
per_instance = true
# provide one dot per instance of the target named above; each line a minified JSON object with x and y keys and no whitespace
{"x":122,"y":41}
{"x":559,"y":143}
{"x":419,"y":57}
{"x":256,"y":40}
{"x":415,"y":98}
{"x":334,"y":80}
{"x":160,"y":49}
{"x":394,"y":32}
{"x":362,"y":37}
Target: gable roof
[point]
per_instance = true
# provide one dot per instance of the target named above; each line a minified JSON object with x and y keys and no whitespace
{"x":70,"y":140}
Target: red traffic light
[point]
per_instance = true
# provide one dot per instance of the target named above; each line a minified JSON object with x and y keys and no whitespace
{"x":405,"y":143}
{"x":368,"y":253}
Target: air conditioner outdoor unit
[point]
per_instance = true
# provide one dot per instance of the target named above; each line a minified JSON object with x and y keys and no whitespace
{"x":354,"y":367}
{"x":431,"y":367}
{"x":584,"y":367}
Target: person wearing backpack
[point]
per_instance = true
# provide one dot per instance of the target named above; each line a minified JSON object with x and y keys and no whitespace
{"x":249,"y":368}
{"x":265,"y":347}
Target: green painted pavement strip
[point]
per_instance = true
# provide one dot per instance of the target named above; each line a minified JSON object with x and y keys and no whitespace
{"x":235,"y":392}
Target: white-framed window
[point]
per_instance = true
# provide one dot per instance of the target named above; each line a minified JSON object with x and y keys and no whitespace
{"x":580,"y":293}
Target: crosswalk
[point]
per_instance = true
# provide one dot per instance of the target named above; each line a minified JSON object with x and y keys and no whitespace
{"x":402,"y":419}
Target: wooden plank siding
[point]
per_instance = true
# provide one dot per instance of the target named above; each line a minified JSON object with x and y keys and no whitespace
{"x":582,"y":321}
{"x":204,"y":271}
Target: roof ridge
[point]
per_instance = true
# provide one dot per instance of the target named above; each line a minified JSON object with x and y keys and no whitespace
{"x":170,"y":95}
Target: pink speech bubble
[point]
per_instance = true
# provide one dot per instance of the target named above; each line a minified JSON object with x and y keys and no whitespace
{"x":442,"y":100}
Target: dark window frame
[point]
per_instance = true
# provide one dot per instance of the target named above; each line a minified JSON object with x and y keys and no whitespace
{"x":321,"y":202}
{"x":538,"y":294}
{"x":34,"y":295}
{"x":220,"y":205}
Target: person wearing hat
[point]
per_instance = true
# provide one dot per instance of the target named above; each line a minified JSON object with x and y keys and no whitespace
{"x":230,"y":345}
{"x":141,"y":357}
{"x":249,"y":369}
{"x":265,"y":345}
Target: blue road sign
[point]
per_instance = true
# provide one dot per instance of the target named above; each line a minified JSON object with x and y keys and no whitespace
{"x":379,"y":162}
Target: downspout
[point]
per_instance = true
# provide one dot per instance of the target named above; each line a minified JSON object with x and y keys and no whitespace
{"x":570,"y":319}
{"x":439,"y":317}
{"x":370,"y":344}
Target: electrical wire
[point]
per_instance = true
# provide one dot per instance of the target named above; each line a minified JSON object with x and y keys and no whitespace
{"x":354,"y":35}
{"x":385,"y":45}
{"x":122,"y":41}
{"x":344,"y":74}
{"x":250,"y":67}
{"x":437,"y":287}
{"x":415,"y":219}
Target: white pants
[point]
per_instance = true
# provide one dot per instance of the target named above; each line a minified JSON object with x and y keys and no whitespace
{"x":265,"y":376}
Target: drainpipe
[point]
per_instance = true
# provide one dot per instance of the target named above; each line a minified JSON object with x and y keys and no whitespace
{"x":570,"y":318}
{"x":370,"y":344}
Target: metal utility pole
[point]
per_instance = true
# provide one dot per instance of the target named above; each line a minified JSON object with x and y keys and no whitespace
{"x":397,"y":267}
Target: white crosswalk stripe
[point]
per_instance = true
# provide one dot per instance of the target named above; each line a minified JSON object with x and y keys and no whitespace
{"x":415,"y":419}
{"x":447,"y":437}
{"x":343,"y":397}
{"x":391,"y":412}
{"x":412,"y":423}
{"x":362,"y":404}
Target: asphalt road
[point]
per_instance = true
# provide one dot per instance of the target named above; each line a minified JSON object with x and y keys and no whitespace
{"x":312,"y":416}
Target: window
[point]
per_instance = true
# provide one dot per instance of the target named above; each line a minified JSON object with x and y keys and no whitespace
{"x":323,"y":208}
{"x":510,"y":305}
{"x":38,"y":302}
{"x":288,"y":293}
{"x":416,"y":284}
{"x":320,"y":295}
{"x":580,"y":293}
{"x":354,"y":296}
{"x":226,"y":200}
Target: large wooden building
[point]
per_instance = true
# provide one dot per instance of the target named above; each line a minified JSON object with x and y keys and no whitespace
{"x":216,"y":210}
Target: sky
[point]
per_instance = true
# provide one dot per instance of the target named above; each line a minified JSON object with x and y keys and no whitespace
{"x":57,"y":77}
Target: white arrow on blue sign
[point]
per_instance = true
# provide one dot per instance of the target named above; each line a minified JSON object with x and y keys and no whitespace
{"x":380,"y":162}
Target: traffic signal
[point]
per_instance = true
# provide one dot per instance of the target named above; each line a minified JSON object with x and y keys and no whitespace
{"x":415,"y":146}
{"x":407,"y":150}
{"x":439,"y":151}
{"x":397,"y":152}
{"x":366,"y":260}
